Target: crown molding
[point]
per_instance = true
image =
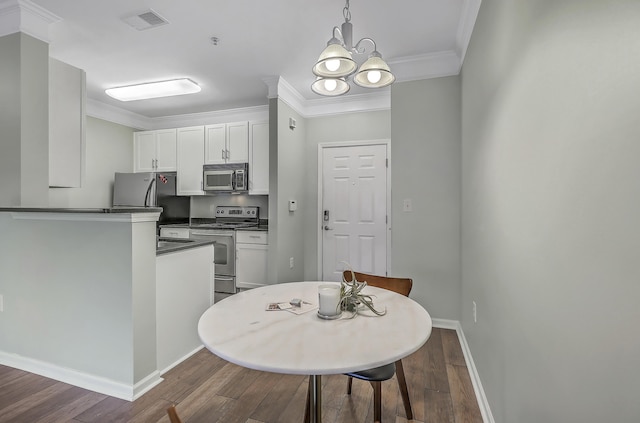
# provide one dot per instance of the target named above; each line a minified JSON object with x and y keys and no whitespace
{"x":117,"y":115}
{"x":210,"y":118}
{"x":120,"y":116}
{"x":426,"y":66}
{"x":470,"y":9}
{"x":27,"y":17}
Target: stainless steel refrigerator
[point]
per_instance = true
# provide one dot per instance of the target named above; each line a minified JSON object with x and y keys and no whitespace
{"x":149,"y":189}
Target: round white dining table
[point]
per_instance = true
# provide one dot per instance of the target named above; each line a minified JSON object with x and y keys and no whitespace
{"x":239,"y":329}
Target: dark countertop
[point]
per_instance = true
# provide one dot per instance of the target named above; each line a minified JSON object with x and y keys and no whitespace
{"x":80,"y":210}
{"x":196,"y":225}
{"x":175,"y":244}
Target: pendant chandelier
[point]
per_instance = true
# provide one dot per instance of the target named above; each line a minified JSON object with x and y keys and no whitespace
{"x":335,"y":64}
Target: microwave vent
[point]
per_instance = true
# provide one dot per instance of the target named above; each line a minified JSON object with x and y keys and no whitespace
{"x":145,"y":20}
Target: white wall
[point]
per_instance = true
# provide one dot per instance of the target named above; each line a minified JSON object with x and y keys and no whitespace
{"x":551,"y":202}
{"x":425,"y":168}
{"x":109,"y":149}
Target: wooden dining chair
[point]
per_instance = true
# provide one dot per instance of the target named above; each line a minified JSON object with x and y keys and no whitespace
{"x":173,"y":414}
{"x":379,"y":374}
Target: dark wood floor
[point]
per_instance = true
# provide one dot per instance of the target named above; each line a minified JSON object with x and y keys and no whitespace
{"x":209,"y":389}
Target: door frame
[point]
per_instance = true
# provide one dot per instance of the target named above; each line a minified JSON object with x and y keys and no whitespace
{"x":319,"y":221}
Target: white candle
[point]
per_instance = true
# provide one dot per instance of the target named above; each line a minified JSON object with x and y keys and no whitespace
{"x":328,"y":298}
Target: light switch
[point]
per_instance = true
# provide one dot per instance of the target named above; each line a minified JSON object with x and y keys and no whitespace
{"x":406,"y":205}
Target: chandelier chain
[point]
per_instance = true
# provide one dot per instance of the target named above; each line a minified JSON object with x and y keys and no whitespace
{"x":346,"y":12}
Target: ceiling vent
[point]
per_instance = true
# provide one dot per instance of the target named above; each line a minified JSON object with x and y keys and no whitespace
{"x":145,"y":20}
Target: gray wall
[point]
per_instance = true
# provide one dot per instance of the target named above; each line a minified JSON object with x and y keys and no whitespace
{"x":24,"y":118}
{"x":551,"y":202}
{"x":425,"y":167}
{"x":287,"y":178}
{"x":342,"y":128}
{"x":79,"y":295}
{"x":109,"y":149}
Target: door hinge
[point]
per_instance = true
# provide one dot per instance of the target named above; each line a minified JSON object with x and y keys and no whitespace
{"x":386,"y":219}
{"x":386,"y":162}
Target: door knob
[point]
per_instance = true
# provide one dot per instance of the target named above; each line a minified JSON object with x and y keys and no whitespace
{"x":327,"y":228}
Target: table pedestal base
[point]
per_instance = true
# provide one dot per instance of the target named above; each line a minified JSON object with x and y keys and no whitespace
{"x":313,"y":410}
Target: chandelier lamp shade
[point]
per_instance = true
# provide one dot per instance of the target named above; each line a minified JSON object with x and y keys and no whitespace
{"x":335,"y":64}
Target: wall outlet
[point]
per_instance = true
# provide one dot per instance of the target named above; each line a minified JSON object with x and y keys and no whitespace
{"x":475,"y":313}
{"x":290,"y":262}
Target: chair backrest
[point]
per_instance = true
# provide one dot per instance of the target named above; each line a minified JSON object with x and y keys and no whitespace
{"x":173,"y":414}
{"x":400,"y":285}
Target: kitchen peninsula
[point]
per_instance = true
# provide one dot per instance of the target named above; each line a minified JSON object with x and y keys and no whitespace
{"x":78,"y":296}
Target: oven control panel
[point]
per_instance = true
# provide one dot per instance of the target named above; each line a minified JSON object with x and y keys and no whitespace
{"x":237,"y":212}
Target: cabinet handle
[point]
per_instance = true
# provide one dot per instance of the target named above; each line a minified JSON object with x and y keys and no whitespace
{"x":223,"y":157}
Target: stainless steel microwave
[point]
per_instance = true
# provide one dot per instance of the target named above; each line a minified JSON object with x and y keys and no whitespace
{"x":230,"y":177}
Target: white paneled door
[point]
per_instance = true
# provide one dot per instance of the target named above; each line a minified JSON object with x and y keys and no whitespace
{"x":354,"y":210}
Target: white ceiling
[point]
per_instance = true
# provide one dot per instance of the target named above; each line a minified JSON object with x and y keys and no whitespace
{"x":258,"y":39}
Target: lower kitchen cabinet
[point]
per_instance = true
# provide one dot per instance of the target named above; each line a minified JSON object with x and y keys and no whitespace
{"x":251,"y":259}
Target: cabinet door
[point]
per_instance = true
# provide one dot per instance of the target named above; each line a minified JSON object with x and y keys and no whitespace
{"x":238,"y":142}
{"x":215,"y":148}
{"x":259,"y":158}
{"x":144,"y":151}
{"x":166,"y":150}
{"x":251,"y":265}
{"x":190,"y":159}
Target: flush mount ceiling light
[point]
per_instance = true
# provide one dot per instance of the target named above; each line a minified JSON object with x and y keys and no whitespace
{"x":335,"y":63}
{"x":154,"y":90}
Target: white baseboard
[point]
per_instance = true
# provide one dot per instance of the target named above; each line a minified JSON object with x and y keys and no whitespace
{"x":180,"y":360}
{"x":83,"y":380}
{"x":485,"y":410}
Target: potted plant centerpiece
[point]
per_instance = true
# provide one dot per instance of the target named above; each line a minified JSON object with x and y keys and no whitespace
{"x":353,"y":300}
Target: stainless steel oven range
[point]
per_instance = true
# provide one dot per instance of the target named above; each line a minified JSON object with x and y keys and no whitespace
{"x":222,"y":233}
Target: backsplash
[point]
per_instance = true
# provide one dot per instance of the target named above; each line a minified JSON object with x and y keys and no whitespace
{"x":204,"y":206}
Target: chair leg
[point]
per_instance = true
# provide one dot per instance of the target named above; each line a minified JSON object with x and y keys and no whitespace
{"x":349,"y":383}
{"x":404,"y":392}
{"x":377,"y":401}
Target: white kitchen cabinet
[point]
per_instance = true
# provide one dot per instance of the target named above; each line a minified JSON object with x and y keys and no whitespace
{"x":190,"y":158}
{"x":251,"y":259}
{"x":227,"y":143}
{"x":155,"y":151}
{"x":67,"y":98}
{"x":258,"y":158}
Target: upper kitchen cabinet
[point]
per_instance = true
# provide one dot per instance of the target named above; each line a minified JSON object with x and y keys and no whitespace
{"x":227,"y":143}
{"x":190,"y":160}
{"x":258,"y":158}
{"x":67,"y":97}
{"x":154,"y":151}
